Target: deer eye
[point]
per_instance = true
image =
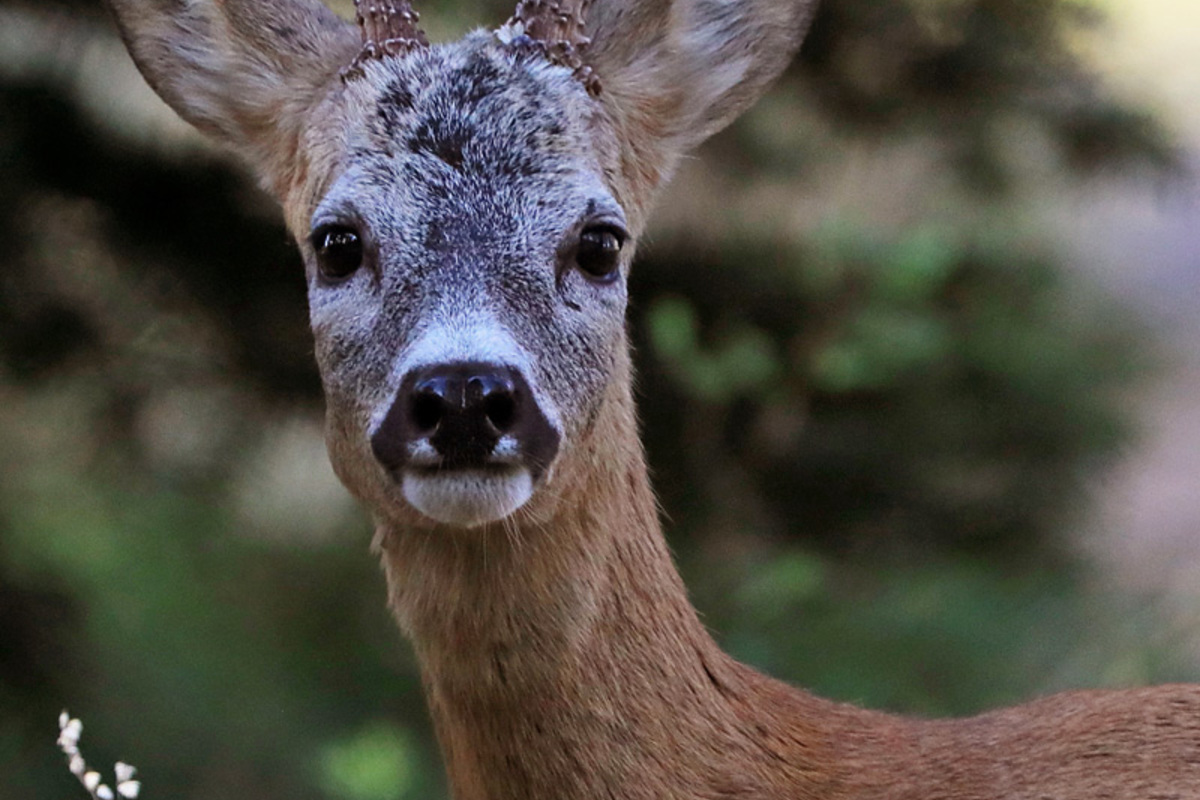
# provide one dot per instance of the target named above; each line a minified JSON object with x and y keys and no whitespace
{"x":339,"y":251}
{"x":598,"y":254}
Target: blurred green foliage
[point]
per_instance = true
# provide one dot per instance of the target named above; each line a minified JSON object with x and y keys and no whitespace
{"x":377,"y":764}
{"x":935,"y":388}
{"x":866,"y":433}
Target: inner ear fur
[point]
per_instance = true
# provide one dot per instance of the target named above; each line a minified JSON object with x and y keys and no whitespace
{"x":245,"y":72}
{"x":674,"y":72}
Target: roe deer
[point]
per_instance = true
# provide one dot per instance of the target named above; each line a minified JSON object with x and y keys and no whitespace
{"x":467,"y":213}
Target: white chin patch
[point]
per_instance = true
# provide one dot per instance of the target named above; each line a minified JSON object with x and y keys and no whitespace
{"x":470,"y":497}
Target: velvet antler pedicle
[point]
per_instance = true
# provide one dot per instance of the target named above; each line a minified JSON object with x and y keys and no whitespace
{"x":389,"y":28}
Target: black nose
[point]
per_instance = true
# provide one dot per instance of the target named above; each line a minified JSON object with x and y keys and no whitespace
{"x":477,"y":402}
{"x":463,"y":410}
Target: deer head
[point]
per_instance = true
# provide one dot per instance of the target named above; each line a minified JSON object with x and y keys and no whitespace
{"x":467,"y":212}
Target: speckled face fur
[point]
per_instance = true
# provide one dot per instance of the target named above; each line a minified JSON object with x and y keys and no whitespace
{"x":469,"y":182}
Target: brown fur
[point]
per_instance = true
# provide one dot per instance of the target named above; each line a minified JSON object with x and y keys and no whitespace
{"x":561,"y":656}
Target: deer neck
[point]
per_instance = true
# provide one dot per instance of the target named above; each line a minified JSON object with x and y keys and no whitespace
{"x":562,"y":657}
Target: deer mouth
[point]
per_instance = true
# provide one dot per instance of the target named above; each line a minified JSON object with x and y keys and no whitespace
{"x":467,"y":497}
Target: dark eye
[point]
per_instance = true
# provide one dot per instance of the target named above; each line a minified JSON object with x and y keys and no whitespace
{"x":339,"y":251}
{"x":599,"y":253}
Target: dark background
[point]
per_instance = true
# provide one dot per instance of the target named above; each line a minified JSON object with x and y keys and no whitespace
{"x":879,"y":395}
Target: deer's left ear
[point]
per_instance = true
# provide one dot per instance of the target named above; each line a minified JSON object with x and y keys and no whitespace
{"x":245,"y":72}
{"x":674,"y":72}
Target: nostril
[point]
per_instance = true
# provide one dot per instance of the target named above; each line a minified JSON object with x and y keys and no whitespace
{"x":495,"y":395}
{"x":501,"y":410}
{"x":428,"y":408}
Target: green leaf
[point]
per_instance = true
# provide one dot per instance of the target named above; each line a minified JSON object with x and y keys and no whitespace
{"x":783,"y":583}
{"x":917,"y":268}
{"x":377,"y":764}
{"x":672,"y":327}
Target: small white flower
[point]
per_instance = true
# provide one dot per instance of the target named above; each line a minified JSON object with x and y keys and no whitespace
{"x":70,"y":733}
{"x":70,"y":729}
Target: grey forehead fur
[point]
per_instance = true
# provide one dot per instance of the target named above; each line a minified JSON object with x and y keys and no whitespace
{"x":476,"y":105}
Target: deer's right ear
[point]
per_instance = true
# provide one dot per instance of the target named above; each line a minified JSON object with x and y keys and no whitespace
{"x":674,"y":72}
{"x":245,"y":72}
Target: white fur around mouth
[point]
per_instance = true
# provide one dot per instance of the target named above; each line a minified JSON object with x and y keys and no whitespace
{"x":467,"y":498}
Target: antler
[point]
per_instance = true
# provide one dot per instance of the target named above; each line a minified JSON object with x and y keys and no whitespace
{"x":389,"y":28}
{"x":553,"y":21}
{"x":556,"y":27}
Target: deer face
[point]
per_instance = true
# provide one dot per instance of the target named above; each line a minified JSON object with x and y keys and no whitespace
{"x":467,"y":212}
{"x":466,"y":272}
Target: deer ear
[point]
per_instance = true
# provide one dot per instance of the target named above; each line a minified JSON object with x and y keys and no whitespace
{"x":245,"y":72}
{"x":674,"y":73}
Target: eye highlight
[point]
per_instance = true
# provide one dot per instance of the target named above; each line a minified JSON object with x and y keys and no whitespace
{"x":339,"y":250}
{"x":598,"y":253}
